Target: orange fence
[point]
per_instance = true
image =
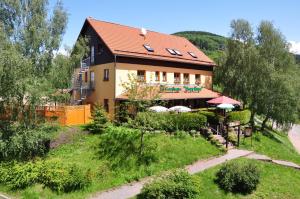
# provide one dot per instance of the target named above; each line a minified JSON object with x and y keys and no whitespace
{"x":67,"y":115}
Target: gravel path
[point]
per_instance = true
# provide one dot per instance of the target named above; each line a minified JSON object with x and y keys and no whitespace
{"x":132,"y":189}
{"x":294,"y":136}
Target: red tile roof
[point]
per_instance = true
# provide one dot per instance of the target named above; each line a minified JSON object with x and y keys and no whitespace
{"x":203,"y":94}
{"x":128,"y":41}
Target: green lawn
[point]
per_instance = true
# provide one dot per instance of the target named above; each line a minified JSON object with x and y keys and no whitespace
{"x":274,"y":144}
{"x":172,"y":152}
{"x":276,"y":182}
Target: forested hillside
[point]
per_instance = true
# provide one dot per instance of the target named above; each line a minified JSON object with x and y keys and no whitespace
{"x":211,"y":44}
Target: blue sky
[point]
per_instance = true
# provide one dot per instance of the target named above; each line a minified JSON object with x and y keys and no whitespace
{"x":169,"y":16}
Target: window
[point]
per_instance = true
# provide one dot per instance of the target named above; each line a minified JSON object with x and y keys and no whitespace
{"x":92,"y":54}
{"x":106,"y":105}
{"x":85,"y":76}
{"x":100,"y":49}
{"x":198,"y":79}
{"x":164,"y":76}
{"x":157,"y":76}
{"x":177,"y":52}
{"x":148,"y":47}
{"x":172,"y":52}
{"x":106,"y":75}
{"x":92,"y":79}
{"x":141,"y":75}
{"x":186,"y":78}
{"x":176,"y":78}
{"x":192,"y":54}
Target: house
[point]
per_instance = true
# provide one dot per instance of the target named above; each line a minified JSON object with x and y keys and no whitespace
{"x":118,"y":50}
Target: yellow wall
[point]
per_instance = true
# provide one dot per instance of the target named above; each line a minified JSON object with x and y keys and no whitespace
{"x":123,"y":70}
{"x":119,"y":74}
{"x":103,"y":89}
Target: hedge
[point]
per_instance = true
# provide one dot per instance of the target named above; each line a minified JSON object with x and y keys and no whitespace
{"x":169,"y":121}
{"x":242,"y":116}
{"x":212,"y":118}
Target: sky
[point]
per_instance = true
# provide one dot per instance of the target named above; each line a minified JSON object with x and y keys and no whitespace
{"x":170,"y":16}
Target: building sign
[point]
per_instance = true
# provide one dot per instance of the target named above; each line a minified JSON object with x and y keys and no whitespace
{"x":177,"y":89}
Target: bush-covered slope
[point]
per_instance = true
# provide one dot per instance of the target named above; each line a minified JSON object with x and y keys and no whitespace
{"x":211,"y":44}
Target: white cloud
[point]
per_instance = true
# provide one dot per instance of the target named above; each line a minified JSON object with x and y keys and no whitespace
{"x":295,"y":47}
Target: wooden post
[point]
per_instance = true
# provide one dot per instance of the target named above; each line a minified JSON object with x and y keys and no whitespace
{"x":239,"y":130}
{"x":227,"y":129}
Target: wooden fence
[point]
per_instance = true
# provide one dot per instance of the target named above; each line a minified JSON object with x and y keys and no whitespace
{"x":66,"y":115}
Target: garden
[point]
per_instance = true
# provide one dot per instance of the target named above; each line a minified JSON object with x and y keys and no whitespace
{"x":101,"y":155}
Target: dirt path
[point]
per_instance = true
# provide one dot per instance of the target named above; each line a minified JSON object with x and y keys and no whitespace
{"x":132,"y":189}
{"x":66,"y":136}
{"x":294,"y":136}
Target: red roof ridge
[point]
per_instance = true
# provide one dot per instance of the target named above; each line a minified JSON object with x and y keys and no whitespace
{"x":114,"y":23}
{"x":110,"y":33}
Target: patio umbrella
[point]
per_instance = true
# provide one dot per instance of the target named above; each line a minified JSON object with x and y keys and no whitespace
{"x":158,"y":109}
{"x":225,"y":106}
{"x":223,"y":100}
{"x":180,"y":109}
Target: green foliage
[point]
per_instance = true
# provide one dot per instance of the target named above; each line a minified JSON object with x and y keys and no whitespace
{"x":52,"y":174}
{"x":122,"y":147}
{"x":258,"y":69}
{"x":168,"y":121}
{"x":100,"y":120}
{"x":238,"y":177}
{"x":64,"y":179}
{"x":232,"y":137}
{"x":242,"y":116}
{"x":212,"y":118}
{"x":23,"y":144}
{"x":21,"y":175}
{"x":177,"y":185}
{"x":211,"y":44}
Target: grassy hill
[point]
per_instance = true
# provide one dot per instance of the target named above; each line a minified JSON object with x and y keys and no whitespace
{"x":211,"y":44}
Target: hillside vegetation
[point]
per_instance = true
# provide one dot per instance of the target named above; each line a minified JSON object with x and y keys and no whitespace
{"x":211,"y":44}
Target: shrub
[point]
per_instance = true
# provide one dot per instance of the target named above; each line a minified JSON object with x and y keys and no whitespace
{"x":20,"y":176}
{"x":64,"y":178}
{"x":122,"y":146}
{"x":238,"y":177}
{"x":176,"y":185}
{"x":52,"y":174}
{"x":232,"y":137}
{"x":168,"y":121}
{"x":100,"y":120}
{"x":212,"y":118}
{"x":24,"y":144}
{"x":242,"y":116}
{"x":189,"y":121}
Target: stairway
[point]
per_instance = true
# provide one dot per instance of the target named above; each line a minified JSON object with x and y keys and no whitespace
{"x":222,"y":140}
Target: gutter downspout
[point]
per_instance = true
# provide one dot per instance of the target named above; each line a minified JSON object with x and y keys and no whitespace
{"x":115,"y":81}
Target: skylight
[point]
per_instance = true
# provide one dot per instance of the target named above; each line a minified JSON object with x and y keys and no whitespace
{"x":177,"y":52}
{"x":192,"y":54}
{"x":171,"y":51}
{"x":148,"y":47}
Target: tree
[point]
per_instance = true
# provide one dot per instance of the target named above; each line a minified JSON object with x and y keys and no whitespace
{"x":140,"y":94}
{"x":29,"y":37}
{"x":258,"y":69}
